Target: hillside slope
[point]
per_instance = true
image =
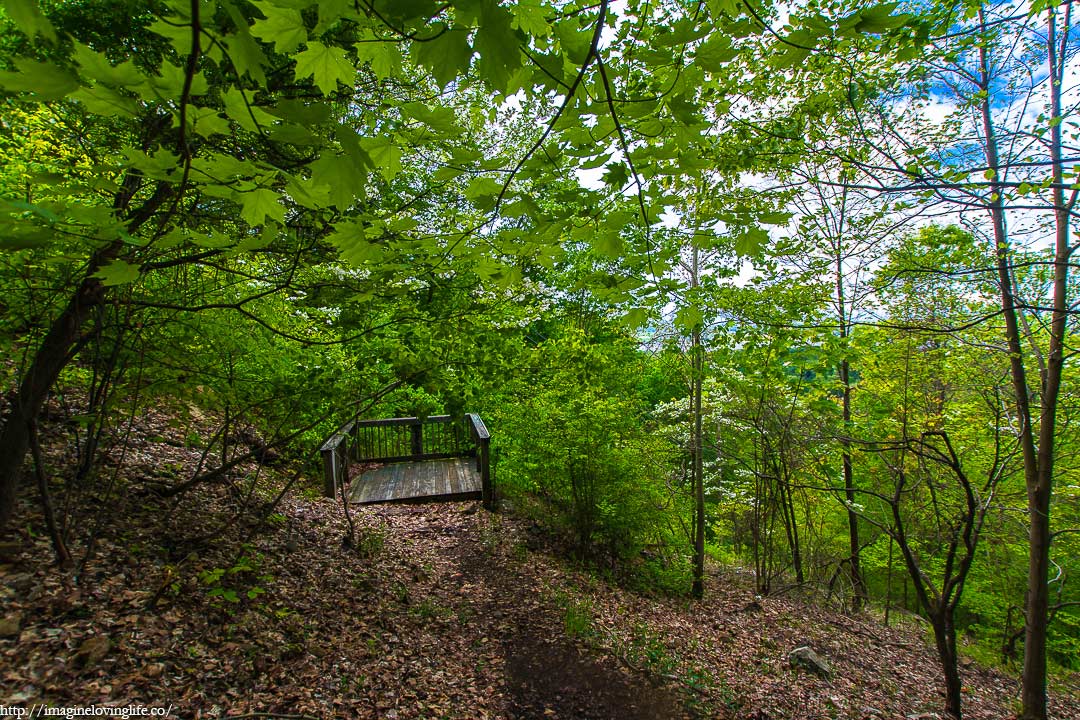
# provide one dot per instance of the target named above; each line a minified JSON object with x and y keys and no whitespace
{"x":439,"y":611}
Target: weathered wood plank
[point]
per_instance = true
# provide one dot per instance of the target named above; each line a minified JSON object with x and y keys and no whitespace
{"x":448,"y":479}
{"x":457,"y":480}
{"x":447,"y":471}
{"x":415,"y":484}
{"x":474,"y":482}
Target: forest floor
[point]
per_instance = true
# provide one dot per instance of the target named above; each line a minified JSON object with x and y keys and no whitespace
{"x":438,"y":611}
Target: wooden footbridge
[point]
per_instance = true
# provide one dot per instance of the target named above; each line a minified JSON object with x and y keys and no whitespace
{"x":434,"y":459}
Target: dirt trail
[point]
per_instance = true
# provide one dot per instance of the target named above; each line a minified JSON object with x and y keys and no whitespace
{"x":554,"y":679}
{"x":545,"y":674}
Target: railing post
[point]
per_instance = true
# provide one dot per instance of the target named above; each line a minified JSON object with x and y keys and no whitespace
{"x":482,"y":438}
{"x":417,"y":431}
{"x":335,"y":460}
{"x":329,"y":459}
{"x":487,"y":492}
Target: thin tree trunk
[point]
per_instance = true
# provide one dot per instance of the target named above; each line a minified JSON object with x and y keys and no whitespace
{"x":51,"y":357}
{"x":64,"y":333}
{"x":945,"y":637}
{"x":1040,"y":482}
{"x":63,"y":557}
{"x":858,"y":586}
{"x":697,"y":472}
{"x":888,"y":584}
{"x":791,"y":525}
{"x":697,"y":466}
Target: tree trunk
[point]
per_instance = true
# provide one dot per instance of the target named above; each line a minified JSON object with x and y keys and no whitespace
{"x":697,"y":471}
{"x":697,"y":442}
{"x":945,"y":639}
{"x":1038,"y":459}
{"x":1033,"y":680}
{"x":51,"y":357}
{"x":888,"y":584}
{"x":63,"y":557}
{"x":858,"y":587}
{"x":791,"y":524}
{"x":1040,"y":483}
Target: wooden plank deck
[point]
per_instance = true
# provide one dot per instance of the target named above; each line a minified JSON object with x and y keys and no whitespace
{"x":421,"y":481}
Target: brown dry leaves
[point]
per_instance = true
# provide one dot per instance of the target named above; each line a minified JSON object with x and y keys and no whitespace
{"x":444,"y":612}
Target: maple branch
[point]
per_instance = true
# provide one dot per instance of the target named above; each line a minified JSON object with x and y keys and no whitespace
{"x":629,"y":162}
{"x":189,"y":78}
{"x":592,"y":54}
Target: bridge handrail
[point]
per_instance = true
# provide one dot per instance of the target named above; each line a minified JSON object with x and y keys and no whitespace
{"x":482,"y":443}
{"x":335,"y":459}
{"x":403,"y":439}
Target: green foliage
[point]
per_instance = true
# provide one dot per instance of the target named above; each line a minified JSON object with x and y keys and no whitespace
{"x":239,"y":583}
{"x":572,"y":435}
{"x":648,"y":650}
{"x":273,"y":211}
{"x":370,"y":541}
{"x":577,"y":614}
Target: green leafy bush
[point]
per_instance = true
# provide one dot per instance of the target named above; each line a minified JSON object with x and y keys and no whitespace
{"x":574,"y":440}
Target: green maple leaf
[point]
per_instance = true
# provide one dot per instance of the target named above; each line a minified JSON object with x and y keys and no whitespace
{"x":96,"y":66}
{"x":103,"y":100}
{"x":879,"y":19}
{"x":687,"y":318}
{"x":244,"y":114}
{"x":608,"y":243}
{"x":118,"y":272}
{"x":483,"y":192}
{"x":616,"y":175}
{"x":27,"y":15}
{"x":329,"y":66}
{"x":385,"y":154}
{"x":405,"y":9}
{"x":245,"y":53}
{"x":220,"y":240}
{"x":330,"y":11}
{"x":384,"y":57}
{"x":260,"y":204}
{"x":162,"y":165}
{"x":341,"y":175}
{"x":206,"y":121}
{"x":795,"y":51}
{"x":775,"y":218}
{"x":440,"y":119}
{"x":497,"y":43}
{"x":44,"y":79}
{"x":282,"y":26}
{"x":635,"y":317}
{"x":531,"y":17}
{"x":446,"y":55}
{"x":446,"y":173}
{"x":719,"y":8}
{"x":178,"y":34}
{"x":715,"y":52}
{"x":308,"y":193}
{"x":751,"y":242}
{"x":575,"y":42}
{"x":356,"y":242}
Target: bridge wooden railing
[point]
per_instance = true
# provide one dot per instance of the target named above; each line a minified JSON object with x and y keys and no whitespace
{"x":481,"y":439}
{"x":407,"y":439}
